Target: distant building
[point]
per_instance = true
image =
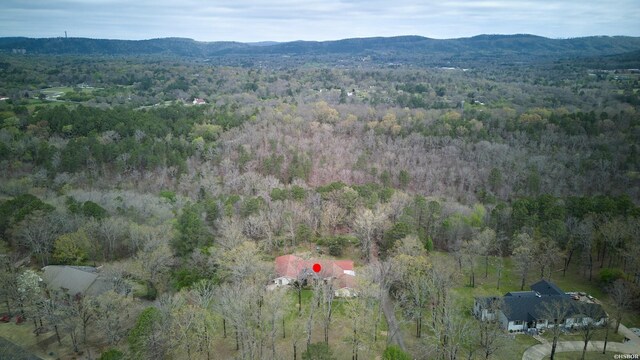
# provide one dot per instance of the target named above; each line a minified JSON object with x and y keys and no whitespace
{"x":198,"y":101}
{"x":523,"y":310}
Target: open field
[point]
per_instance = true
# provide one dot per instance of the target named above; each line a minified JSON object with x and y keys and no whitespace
{"x":589,"y":356}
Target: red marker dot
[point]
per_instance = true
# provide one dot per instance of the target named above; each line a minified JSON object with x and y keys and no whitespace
{"x":317,"y":268}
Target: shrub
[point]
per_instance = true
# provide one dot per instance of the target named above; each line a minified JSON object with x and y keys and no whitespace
{"x":112,"y":354}
{"x":394,"y":352}
{"x":251,"y":206}
{"x":169,"y":195}
{"x":318,"y":351}
{"x":144,"y":327}
{"x":278,"y":194}
{"x":304,"y":233}
{"x":72,"y":248}
{"x":608,"y":275}
{"x":91,"y":209}
{"x":185,"y":277}
{"x":298,"y":193}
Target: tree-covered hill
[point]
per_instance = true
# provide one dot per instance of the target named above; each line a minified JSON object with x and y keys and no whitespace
{"x":509,"y":48}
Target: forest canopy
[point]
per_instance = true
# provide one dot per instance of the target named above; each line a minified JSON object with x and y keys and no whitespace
{"x":182,"y":180}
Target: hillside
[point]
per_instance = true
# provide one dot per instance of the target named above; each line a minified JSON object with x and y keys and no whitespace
{"x":416,"y":49}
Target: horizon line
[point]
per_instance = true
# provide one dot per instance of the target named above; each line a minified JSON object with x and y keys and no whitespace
{"x":319,"y":41}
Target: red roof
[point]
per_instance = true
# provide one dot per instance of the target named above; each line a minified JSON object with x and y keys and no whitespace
{"x":344,"y":264}
{"x":346,"y":281}
{"x":290,"y":266}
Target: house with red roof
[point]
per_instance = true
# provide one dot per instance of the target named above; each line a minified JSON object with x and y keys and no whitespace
{"x":291,"y":268}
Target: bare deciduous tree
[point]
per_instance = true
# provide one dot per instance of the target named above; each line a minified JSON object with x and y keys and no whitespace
{"x":592,"y":315}
{"x":470,"y":251}
{"x":555,"y":312}
{"x":413,"y":290}
{"x":368,"y":225}
{"x":548,"y":254}
{"x":230,"y":233}
{"x":623,"y":297}
{"x":523,"y":256}
{"x":490,"y":333}
{"x":113,"y":313}
{"x":38,"y":233}
{"x":486,"y":245}
{"x":152,"y":263}
{"x":332,"y":216}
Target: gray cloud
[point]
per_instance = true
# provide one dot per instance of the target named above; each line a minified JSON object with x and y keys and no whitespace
{"x":285,"y":20}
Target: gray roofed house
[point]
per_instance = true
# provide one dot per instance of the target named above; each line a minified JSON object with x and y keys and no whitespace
{"x":522,"y":310}
{"x":76,"y":279}
{"x":544,"y":287}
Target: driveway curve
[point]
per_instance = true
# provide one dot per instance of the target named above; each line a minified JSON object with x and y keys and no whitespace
{"x":538,"y":352}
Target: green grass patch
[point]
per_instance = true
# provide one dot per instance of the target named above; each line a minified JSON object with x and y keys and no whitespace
{"x":590,"y":355}
{"x":599,"y":335}
{"x":513,"y":349}
{"x":56,"y":90}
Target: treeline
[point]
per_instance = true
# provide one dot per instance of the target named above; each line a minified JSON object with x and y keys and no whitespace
{"x":59,"y":139}
{"x":189,"y":204}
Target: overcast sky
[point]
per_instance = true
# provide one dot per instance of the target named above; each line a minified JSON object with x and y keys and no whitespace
{"x":287,"y":20}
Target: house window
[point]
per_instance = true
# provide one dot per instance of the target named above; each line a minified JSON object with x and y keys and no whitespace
{"x":518,"y":322}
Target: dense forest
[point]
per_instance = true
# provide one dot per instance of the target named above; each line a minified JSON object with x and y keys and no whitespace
{"x":442,"y":180}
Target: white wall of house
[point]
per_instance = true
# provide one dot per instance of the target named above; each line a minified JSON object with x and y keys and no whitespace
{"x":345,"y":293}
{"x":582,"y":321}
{"x":483,"y":314}
{"x":476,"y":309}
{"x":281,"y":281}
{"x":517,"y":326}
{"x":541,"y":324}
{"x":601,"y":322}
{"x":503,"y":320}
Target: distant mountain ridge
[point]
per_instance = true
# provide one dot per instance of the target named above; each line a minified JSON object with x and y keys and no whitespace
{"x":519,"y":47}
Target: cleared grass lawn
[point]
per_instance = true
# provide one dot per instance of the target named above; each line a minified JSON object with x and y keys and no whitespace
{"x":577,"y":336}
{"x":45,"y":345}
{"x":56,"y":90}
{"x":510,"y":280}
{"x":339,"y":332}
{"x":513,"y":349}
{"x":590,"y":355}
